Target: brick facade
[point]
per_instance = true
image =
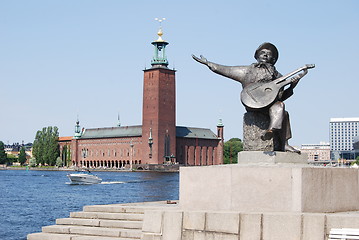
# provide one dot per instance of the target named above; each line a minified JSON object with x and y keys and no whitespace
{"x":159,"y":115}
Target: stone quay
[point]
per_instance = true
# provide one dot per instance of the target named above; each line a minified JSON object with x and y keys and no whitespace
{"x":267,"y":195}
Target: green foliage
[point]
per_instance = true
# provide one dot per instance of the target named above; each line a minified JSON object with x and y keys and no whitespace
{"x":11,"y":158}
{"x":231,"y":149}
{"x":59,"y":162}
{"x":3,"y":156}
{"x":32,"y":162}
{"x":22,"y":156}
{"x":45,"y":147}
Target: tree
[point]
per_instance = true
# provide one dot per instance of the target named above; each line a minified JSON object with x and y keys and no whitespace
{"x":231,"y":149}
{"x":32,"y":162}
{"x":45,"y":147}
{"x":11,"y":158}
{"x":22,"y":156}
{"x":356,"y":161}
{"x":59,"y":162}
{"x":3,"y":155}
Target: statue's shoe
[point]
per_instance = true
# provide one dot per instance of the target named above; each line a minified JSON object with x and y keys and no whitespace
{"x":289,"y":148}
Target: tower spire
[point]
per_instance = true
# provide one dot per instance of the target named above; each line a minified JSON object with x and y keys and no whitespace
{"x":159,"y":58}
{"x":118,"y":120}
{"x":77,"y":128}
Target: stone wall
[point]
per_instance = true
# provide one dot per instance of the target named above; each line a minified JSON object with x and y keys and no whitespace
{"x":210,"y":225}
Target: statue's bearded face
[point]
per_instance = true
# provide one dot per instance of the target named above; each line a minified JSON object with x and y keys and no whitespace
{"x":265,"y":56}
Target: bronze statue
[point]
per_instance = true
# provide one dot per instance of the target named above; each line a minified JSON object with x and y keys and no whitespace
{"x":264,"y":90}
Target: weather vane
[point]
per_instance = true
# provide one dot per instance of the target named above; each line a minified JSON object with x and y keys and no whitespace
{"x":160,"y":20}
{"x":160,"y":33}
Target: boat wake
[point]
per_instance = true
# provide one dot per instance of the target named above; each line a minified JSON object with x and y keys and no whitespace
{"x":115,"y":182}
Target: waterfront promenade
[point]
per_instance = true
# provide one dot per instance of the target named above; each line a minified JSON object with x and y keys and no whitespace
{"x":208,"y":207}
{"x":162,"y":221}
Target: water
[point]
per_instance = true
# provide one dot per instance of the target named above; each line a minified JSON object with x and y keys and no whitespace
{"x":30,"y":200}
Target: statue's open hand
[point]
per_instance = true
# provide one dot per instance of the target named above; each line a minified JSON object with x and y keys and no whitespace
{"x":202,"y":59}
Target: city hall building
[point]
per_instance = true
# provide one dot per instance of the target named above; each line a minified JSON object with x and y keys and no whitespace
{"x":158,"y":141}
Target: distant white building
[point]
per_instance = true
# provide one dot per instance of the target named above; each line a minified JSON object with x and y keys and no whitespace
{"x":317,"y":152}
{"x":342,"y":134}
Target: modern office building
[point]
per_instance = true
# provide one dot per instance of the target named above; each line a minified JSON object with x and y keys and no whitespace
{"x":317,"y":152}
{"x":342,"y":133}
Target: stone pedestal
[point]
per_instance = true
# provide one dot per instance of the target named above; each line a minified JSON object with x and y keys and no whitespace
{"x":269,"y":188}
{"x":268,"y":195}
{"x":254,"y":126}
{"x":258,"y":157}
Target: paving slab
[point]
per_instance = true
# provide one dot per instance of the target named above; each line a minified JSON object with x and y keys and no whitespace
{"x":63,"y":229}
{"x":194,"y":220}
{"x":172,"y":225}
{"x":113,"y":208}
{"x":106,"y":215}
{"x":78,"y":221}
{"x":133,"y":224}
{"x":49,"y":236}
{"x":54,"y":236}
{"x":223,"y":222}
{"x":96,"y":231}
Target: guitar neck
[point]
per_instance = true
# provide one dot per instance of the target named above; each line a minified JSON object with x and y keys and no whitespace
{"x":282,"y":80}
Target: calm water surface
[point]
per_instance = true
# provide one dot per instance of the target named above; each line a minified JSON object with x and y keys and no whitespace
{"x":32,"y":199}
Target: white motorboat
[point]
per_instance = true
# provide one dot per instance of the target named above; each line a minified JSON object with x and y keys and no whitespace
{"x":83,"y":178}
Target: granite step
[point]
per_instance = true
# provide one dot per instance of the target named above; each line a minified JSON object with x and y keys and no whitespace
{"x":113,"y":208}
{"x":107,"y":215}
{"x":100,"y":222}
{"x":133,"y":224}
{"x":93,"y":231}
{"x":55,"y":236}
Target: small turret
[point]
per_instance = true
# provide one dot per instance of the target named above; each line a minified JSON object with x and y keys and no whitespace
{"x":220,"y":130}
{"x":77,"y":129}
{"x":118,"y":121}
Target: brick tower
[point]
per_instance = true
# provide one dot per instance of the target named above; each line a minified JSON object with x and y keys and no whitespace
{"x":159,"y":108}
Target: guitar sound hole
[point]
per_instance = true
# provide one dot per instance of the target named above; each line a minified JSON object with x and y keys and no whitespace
{"x":268,"y":90}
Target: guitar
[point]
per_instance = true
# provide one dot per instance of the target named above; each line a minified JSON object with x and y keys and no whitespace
{"x":260,"y":95}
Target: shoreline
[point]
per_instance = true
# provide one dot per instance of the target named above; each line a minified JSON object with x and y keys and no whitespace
{"x":91,"y":170}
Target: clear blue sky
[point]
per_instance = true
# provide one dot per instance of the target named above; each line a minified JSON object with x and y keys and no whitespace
{"x":61,"y":59}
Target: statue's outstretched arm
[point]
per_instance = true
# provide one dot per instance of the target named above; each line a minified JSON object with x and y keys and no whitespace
{"x":200,"y":59}
{"x":236,"y":73}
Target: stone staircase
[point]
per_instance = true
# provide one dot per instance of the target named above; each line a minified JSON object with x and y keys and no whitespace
{"x":100,"y":222}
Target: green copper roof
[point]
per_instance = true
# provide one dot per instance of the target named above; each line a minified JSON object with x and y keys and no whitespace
{"x":136,"y":131}
{"x":191,"y":132}
{"x":128,"y":131}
